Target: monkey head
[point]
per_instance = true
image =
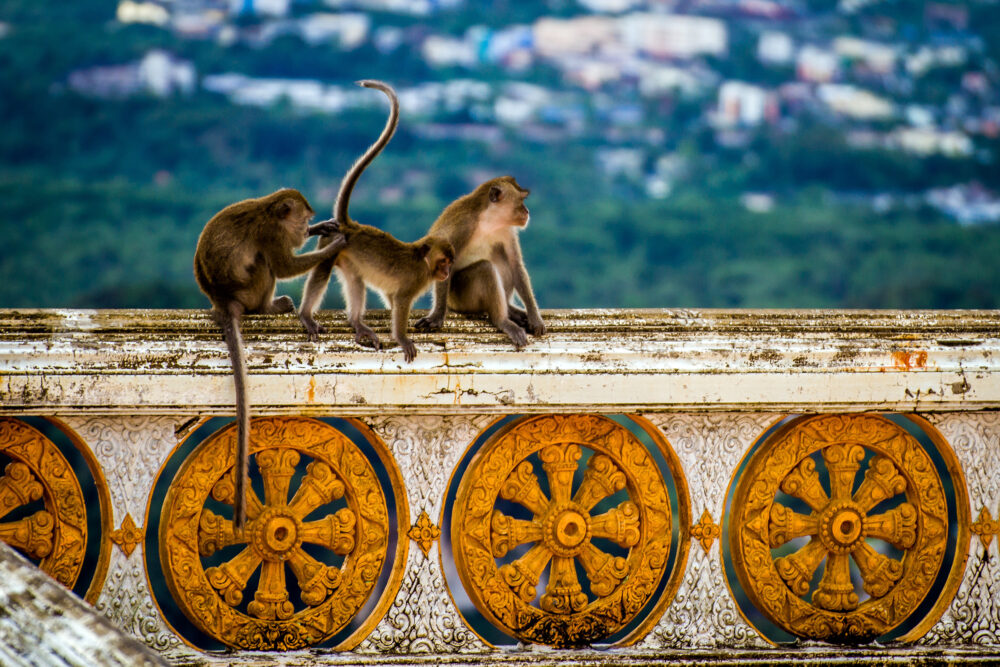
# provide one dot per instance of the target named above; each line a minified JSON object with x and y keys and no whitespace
{"x":292,"y":210}
{"x":438,"y":254}
{"x":507,"y":198}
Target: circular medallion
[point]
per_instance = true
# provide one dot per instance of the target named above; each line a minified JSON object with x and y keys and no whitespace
{"x":43,"y":507}
{"x":562,"y":529}
{"x":313,"y":549}
{"x":839,"y":527}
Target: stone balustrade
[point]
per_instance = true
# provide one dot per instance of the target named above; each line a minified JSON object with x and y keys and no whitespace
{"x":739,"y":485}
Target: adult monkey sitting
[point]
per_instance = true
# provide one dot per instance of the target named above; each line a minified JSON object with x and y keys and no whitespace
{"x":482,"y":227}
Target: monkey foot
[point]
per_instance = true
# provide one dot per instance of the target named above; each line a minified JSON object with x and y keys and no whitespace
{"x":367,"y":338}
{"x":409,"y":349}
{"x":429,"y":323}
{"x":313,"y":328}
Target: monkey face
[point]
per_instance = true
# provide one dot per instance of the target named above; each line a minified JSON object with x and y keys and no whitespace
{"x":507,"y":197}
{"x":440,"y":261}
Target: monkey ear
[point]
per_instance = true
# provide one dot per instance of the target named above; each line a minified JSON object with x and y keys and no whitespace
{"x":283,"y":208}
{"x":421,"y":250}
{"x":495,"y":194}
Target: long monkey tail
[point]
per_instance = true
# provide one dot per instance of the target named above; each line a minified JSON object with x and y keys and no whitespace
{"x":234,"y":341}
{"x":351,"y":179}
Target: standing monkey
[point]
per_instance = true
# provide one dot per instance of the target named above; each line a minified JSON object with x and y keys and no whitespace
{"x":482,"y":226}
{"x":399,"y":271}
{"x":241,"y":253}
{"x":319,"y":279}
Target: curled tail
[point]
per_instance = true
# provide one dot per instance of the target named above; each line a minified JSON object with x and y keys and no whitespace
{"x":234,"y":341}
{"x":351,"y":179}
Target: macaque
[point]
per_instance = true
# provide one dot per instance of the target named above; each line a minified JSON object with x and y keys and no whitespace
{"x":399,"y":271}
{"x":243,"y":250}
{"x":482,"y":227}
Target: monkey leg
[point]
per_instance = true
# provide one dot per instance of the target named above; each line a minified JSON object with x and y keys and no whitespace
{"x":354,"y":295}
{"x":478,"y":288}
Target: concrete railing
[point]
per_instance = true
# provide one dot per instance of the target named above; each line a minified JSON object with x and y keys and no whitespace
{"x":650,"y":483}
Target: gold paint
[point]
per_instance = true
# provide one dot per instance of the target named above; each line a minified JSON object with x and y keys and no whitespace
{"x":424,"y":533}
{"x":839,"y":526}
{"x":985,"y":527}
{"x":279,"y":525}
{"x":128,"y":536}
{"x":38,"y":471}
{"x":706,"y":531}
{"x":562,"y":529}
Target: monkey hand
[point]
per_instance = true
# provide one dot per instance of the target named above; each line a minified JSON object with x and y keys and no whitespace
{"x":516,"y":334}
{"x":363,"y":335}
{"x":430,"y":322}
{"x":409,"y":349}
{"x":535,"y":326}
{"x":325,"y":228}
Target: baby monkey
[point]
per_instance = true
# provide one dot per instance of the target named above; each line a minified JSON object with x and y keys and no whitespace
{"x":399,"y":271}
{"x":243,"y":250}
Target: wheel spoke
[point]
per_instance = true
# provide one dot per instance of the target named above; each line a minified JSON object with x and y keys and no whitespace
{"x":316,"y":580}
{"x":277,"y":467}
{"x":620,"y":525}
{"x":797,"y":569}
{"x":898,"y":526}
{"x":225,"y":492}
{"x":604,"y":570}
{"x":601,"y":479}
{"x":879,"y":572}
{"x":882,"y":481}
{"x":522,"y":488}
{"x":18,"y":487}
{"x":215,"y":532}
{"x":335,"y":531}
{"x":786,"y":524}
{"x":836,"y":591}
{"x":803,"y":483}
{"x":522,"y":575}
{"x":270,"y":602}
{"x":560,"y":463}
{"x":507,"y":532}
{"x":32,"y":535}
{"x":842,"y":463}
{"x":231,"y":578}
{"x":319,"y":486}
{"x":563,"y":595}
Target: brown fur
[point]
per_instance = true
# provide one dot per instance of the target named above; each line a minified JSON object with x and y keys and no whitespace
{"x":482,"y":227}
{"x":241,"y":253}
{"x":399,"y":271}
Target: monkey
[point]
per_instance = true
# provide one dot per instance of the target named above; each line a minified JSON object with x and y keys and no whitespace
{"x":482,"y":227}
{"x":399,"y":271}
{"x":241,"y":253}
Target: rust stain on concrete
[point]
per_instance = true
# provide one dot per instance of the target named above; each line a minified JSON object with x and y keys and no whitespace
{"x":906,"y":361}
{"x":311,"y":396}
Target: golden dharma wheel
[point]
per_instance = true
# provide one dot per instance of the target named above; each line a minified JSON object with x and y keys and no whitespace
{"x":289,"y":530}
{"x":38,"y":475}
{"x":564,"y":530}
{"x":867,"y":498}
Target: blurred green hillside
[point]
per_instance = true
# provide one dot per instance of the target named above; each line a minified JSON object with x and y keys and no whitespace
{"x":102,"y":200}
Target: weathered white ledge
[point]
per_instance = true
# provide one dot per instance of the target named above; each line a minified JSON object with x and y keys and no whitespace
{"x":166,"y":361}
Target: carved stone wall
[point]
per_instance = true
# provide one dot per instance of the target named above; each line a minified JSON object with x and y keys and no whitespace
{"x":712,"y":384}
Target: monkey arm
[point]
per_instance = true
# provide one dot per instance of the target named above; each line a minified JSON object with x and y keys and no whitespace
{"x":434,"y":320}
{"x":287,"y":265}
{"x":522,"y":284}
{"x":400,"y":317}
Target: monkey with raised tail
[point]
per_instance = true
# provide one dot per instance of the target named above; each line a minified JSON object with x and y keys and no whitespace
{"x":483,"y":228}
{"x":242,"y":251}
{"x":399,"y":271}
